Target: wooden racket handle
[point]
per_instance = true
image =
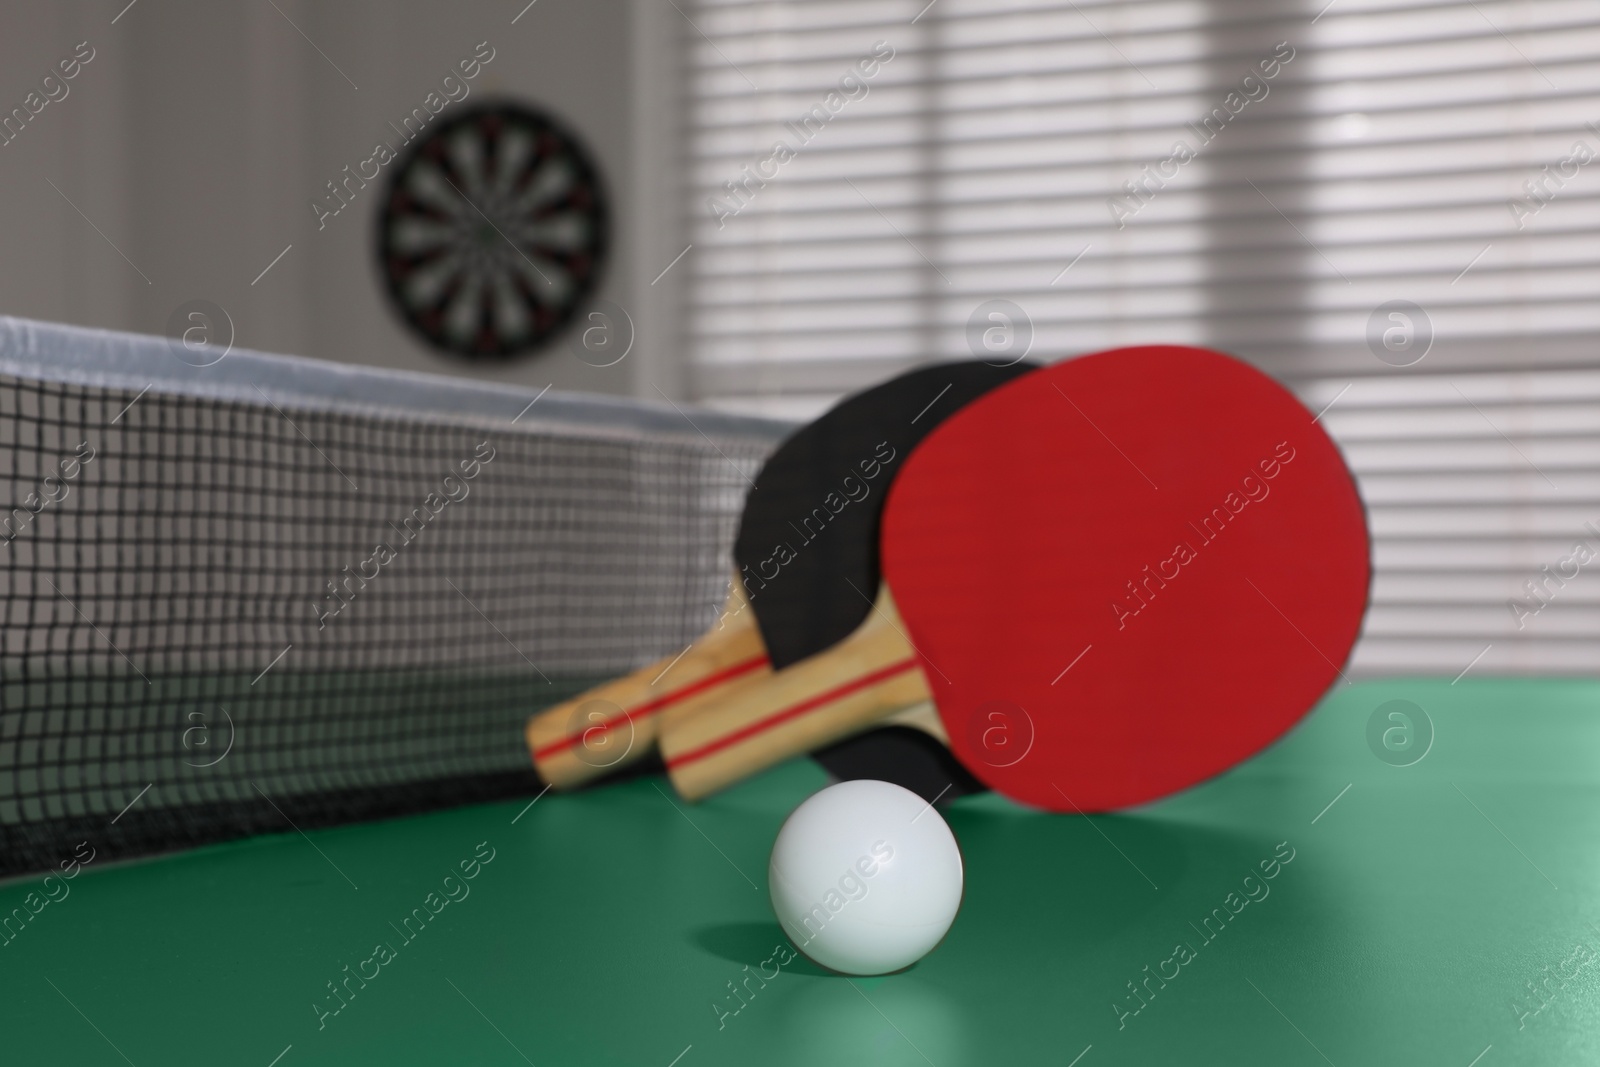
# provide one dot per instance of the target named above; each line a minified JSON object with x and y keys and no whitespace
{"x":616,"y":723}
{"x":856,"y":684}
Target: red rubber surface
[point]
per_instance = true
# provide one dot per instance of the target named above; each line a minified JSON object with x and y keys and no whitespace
{"x":1014,"y":530}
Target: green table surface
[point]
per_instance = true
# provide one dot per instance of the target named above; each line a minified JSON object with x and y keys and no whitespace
{"x":1445,"y":912}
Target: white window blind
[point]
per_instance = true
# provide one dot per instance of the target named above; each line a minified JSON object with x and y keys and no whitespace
{"x":1393,"y":206}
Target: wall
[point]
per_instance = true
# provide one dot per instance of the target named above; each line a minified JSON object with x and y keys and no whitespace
{"x":191,"y":145}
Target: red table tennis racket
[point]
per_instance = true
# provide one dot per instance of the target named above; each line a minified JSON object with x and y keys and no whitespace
{"x":1115,"y":577}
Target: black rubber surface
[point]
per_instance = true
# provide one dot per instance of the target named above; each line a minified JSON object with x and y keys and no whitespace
{"x":808,"y":539}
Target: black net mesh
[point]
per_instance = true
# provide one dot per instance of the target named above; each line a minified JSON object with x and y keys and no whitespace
{"x":225,"y":617}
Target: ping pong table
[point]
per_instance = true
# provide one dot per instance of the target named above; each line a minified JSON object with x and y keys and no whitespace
{"x":1408,"y":877}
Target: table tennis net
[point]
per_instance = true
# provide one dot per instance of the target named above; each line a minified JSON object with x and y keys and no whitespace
{"x":273,"y":593}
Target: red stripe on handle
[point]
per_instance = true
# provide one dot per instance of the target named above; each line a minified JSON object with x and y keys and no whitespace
{"x":709,"y":681}
{"x":777,"y":718}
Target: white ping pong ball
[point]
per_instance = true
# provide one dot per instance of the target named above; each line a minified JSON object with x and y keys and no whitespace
{"x":865,"y":877}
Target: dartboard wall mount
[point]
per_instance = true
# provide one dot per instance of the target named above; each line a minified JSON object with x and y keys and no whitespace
{"x":493,"y":233}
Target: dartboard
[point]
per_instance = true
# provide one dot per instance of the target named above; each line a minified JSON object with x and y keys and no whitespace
{"x":493,"y":233}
